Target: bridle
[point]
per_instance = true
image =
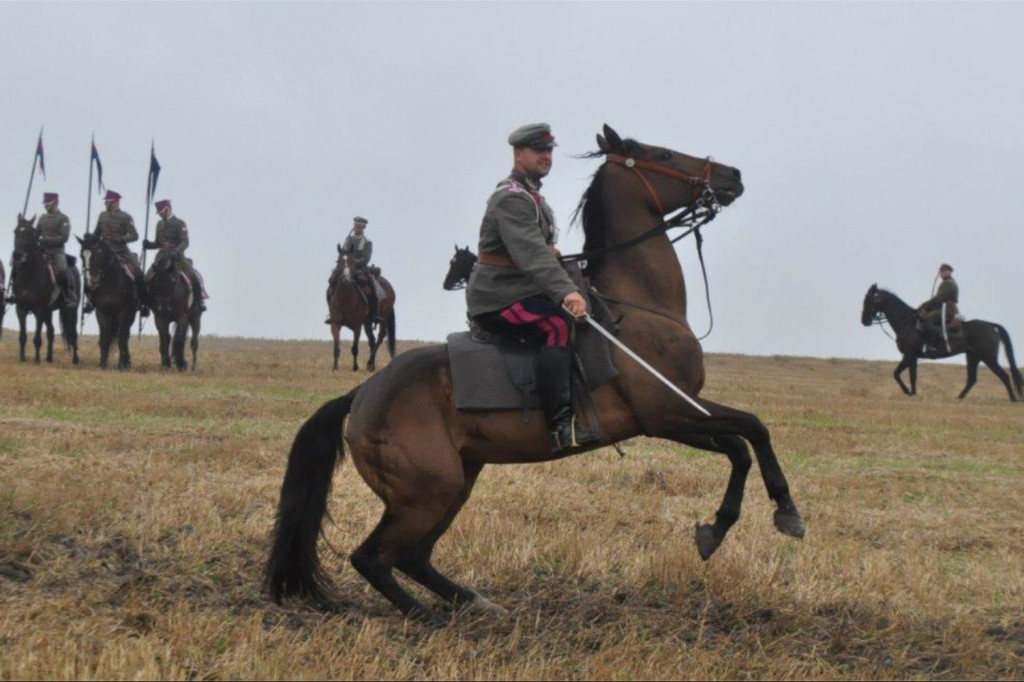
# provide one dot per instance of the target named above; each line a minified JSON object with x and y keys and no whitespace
{"x":702,"y":209}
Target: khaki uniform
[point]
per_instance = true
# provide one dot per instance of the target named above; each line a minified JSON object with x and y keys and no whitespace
{"x":117,"y":229}
{"x":173,"y":233}
{"x":360,"y":249}
{"x":517,"y":224}
{"x":948,"y":293}
{"x":54,"y":231}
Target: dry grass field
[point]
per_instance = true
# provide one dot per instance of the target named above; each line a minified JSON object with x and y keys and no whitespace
{"x":135,"y":510}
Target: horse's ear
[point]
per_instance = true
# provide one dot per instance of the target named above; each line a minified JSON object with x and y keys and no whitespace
{"x":602,"y":143}
{"x":339,"y":248}
{"x":614,"y":141}
{"x":79,"y":239}
{"x":33,"y":221}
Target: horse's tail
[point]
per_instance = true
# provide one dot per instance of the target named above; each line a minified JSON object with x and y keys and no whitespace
{"x":294,"y":567}
{"x":1018,"y":379}
{"x":391,"y":332}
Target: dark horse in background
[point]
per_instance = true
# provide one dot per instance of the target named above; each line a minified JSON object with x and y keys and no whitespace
{"x":979,"y":340}
{"x":348,"y":306}
{"x":459,"y":269}
{"x":114,"y":297}
{"x":39,"y":294}
{"x":422,"y":456}
{"x":171,"y":298}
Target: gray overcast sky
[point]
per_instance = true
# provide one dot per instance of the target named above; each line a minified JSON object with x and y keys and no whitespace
{"x":876,"y":140}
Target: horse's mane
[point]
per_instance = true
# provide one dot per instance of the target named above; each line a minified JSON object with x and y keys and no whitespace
{"x":590,"y":212}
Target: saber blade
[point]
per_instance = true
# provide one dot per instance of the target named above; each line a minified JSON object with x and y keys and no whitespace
{"x":643,"y":363}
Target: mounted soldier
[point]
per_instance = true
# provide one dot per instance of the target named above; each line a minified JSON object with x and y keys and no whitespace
{"x":53,"y":230}
{"x":117,"y":229}
{"x":519,"y":290}
{"x":359,"y":250}
{"x":172,"y":233}
{"x":943,"y":302}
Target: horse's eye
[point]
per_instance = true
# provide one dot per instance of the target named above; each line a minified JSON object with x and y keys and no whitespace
{"x":665,"y":156}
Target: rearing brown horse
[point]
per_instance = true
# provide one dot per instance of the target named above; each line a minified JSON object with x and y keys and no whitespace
{"x":349,"y":308}
{"x":421,"y":456}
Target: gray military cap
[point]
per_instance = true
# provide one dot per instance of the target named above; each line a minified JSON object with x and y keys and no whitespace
{"x":359,"y":220}
{"x":533,"y":135}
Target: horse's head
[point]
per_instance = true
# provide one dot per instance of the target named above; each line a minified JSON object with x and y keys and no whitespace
{"x":459,"y":268}
{"x":668,"y":180}
{"x":345,"y":267}
{"x":166,"y":260}
{"x":26,"y":236}
{"x":871,"y":310}
{"x":96,"y":256}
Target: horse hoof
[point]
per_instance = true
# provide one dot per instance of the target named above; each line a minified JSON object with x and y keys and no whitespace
{"x":789,"y":523}
{"x":707,"y":541}
{"x":485,"y":607}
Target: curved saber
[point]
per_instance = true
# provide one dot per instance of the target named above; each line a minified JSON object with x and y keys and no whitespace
{"x":643,"y":363}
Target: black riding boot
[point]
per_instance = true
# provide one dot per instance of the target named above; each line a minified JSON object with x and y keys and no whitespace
{"x":374,"y":309}
{"x":70,"y":289}
{"x":554,"y":384}
{"x":140,"y":290}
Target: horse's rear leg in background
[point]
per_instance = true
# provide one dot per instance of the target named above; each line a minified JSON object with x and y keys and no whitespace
{"x":993,"y":364}
{"x":124,"y":334}
{"x":336,"y":335}
{"x":972,"y":373}
{"x":37,"y":340}
{"x":22,"y":333}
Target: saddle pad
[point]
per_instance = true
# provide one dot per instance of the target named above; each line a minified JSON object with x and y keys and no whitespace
{"x":484,"y":377}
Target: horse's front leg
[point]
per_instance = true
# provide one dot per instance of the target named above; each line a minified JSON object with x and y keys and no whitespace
{"x":180,"y":332}
{"x":163,"y":331}
{"x":373,"y":344}
{"x":37,"y":340}
{"x":106,"y":339}
{"x":898,"y":372}
{"x":720,"y":433}
{"x":913,"y":375}
{"x":49,"y":337}
{"x":356,"y":331}
{"x":22,"y":332}
{"x":124,"y":334}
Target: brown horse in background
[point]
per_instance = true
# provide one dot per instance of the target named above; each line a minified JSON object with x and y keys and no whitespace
{"x":349,"y":307}
{"x":422,"y":457}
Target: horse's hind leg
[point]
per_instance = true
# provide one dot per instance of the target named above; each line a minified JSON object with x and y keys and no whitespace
{"x":22,"y":333}
{"x":710,"y":536}
{"x":336,"y":335}
{"x":416,"y":564}
{"x":972,"y":373}
{"x":180,"y":332}
{"x":993,"y":364}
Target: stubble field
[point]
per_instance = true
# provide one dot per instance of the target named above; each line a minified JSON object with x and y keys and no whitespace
{"x":135,"y":509}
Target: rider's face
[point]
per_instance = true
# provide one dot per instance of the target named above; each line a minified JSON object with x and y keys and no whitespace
{"x":535,"y":163}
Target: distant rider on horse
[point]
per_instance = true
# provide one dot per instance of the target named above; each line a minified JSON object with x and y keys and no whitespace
{"x":518,"y":288}
{"x":172,"y":232}
{"x":931,"y":310}
{"x":359,"y":249}
{"x":117,"y":229}
{"x":54,"y":230}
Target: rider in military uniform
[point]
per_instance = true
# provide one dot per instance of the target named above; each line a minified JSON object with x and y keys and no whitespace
{"x":930,"y":311}
{"x":360,"y":249}
{"x":172,"y":232}
{"x":54,"y":229}
{"x":518,"y":288}
{"x":117,"y":229}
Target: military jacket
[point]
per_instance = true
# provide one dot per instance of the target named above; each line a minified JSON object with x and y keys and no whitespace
{"x":172,"y":232}
{"x":117,"y":229}
{"x":359,"y":248}
{"x":54,"y":231}
{"x":948,"y":292}
{"x":519,"y":224}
